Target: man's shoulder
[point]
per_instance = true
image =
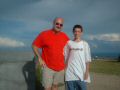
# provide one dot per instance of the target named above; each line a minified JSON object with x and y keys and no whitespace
{"x":65,"y":35}
{"x":45,"y":32}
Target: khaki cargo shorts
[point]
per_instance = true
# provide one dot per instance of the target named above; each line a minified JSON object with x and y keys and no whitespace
{"x":51,"y":77}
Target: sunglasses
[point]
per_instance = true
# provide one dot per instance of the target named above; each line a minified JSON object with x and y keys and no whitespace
{"x":59,"y":24}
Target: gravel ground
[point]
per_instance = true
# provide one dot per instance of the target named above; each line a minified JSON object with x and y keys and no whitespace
{"x":102,"y":82}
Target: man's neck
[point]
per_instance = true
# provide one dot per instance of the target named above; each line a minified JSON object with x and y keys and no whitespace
{"x":56,"y":32}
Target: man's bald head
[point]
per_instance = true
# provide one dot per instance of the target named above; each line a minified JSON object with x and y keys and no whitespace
{"x":58,"y":24}
{"x":58,"y":19}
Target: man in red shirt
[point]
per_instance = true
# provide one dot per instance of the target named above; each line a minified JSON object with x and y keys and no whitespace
{"x":51,"y":42}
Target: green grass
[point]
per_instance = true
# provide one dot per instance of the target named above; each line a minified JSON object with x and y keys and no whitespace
{"x":106,"y":67}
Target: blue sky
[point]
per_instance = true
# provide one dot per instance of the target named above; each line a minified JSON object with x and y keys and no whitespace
{"x":22,"y":20}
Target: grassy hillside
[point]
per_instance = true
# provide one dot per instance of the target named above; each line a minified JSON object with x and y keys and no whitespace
{"x":106,"y":67}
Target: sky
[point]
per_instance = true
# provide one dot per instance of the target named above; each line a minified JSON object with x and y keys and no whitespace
{"x":22,"y":20}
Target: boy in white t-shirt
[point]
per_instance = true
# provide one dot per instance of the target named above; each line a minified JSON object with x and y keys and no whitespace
{"x":77,"y":59}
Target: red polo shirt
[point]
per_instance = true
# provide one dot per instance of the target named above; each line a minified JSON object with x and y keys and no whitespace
{"x":52,"y":48}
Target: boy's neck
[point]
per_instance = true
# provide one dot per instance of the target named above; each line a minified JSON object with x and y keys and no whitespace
{"x":77,"y":39}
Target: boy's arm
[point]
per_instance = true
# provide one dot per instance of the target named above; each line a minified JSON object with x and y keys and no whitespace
{"x":87,"y":70}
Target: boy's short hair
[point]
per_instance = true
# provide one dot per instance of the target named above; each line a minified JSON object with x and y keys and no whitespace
{"x":77,"y":26}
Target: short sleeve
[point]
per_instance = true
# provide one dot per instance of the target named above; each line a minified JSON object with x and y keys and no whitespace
{"x":66,"y":36}
{"x":87,"y":52}
{"x":38,"y":42}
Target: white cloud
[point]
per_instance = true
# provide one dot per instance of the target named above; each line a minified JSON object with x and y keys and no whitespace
{"x":8,"y":42}
{"x":106,"y":37}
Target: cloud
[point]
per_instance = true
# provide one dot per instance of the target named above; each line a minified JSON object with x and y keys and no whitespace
{"x":106,"y":37}
{"x":94,"y":13}
{"x":8,"y":42}
{"x":99,"y":18}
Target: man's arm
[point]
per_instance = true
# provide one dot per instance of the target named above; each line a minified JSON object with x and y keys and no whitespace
{"x":37,"y":55}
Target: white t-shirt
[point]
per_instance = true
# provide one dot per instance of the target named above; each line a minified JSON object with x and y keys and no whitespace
{"x":77,"y":54}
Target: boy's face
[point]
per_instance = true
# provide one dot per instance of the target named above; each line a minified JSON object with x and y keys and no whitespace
{"x":77,"y":32}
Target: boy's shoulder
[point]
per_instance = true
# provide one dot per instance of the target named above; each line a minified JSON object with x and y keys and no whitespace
{"x":70,"y":41}
{"x":84,"y":41}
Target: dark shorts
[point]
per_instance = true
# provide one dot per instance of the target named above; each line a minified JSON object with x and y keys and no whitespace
{"x":76,"y":85}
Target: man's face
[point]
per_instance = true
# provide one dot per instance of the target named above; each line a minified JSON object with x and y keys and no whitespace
{"x":58,"y":24}
{"x":77,"y":32}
